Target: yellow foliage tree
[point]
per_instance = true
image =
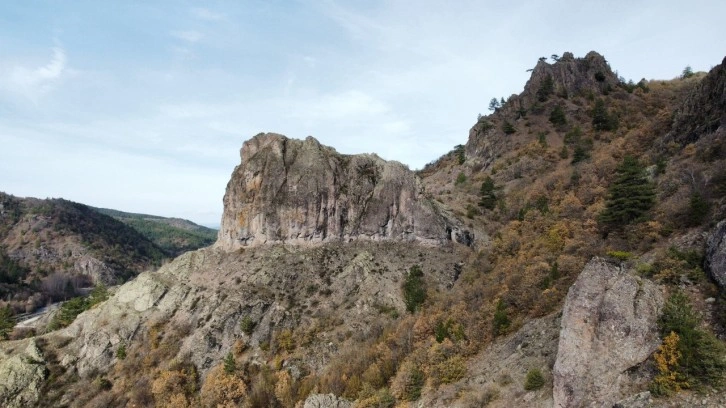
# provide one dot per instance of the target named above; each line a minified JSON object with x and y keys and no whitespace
{"x":668,"y":380}
{"x":221,"y":389}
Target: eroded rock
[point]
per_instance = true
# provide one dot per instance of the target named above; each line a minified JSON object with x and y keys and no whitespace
{"x":609,"y":324}
{"x":716,"y":255}
{"x":293,"y":191}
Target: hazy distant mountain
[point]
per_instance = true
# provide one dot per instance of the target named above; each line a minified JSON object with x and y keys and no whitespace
{"x":173,"y":235}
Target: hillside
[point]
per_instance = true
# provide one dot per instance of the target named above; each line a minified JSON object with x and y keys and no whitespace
{"x":51,"y":248}
{"x":572,"y":253}
{"x":174,"y":235}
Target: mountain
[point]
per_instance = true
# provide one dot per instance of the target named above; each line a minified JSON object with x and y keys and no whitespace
{"x":51,"y":248}
{"x":570,"y":254}
{"x":174,"y":235}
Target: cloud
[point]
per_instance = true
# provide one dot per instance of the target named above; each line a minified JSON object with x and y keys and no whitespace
{"x":206,"y":14}
{"x":32,"y":83}
{"x":190,"y":36}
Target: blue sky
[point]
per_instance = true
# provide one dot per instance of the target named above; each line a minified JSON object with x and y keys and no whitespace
{"x":143,"y":105}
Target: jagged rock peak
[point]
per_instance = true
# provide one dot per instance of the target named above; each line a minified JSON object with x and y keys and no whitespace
{"x":296,"y":192}
{"x":570,"y":75}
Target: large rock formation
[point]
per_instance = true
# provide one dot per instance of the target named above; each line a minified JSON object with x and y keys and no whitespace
{"x":609,"y":324}
{"x":703,"y":111}
{"x":568,"y":75}
{"x":293,"y":191}
{"x":715,"y":263}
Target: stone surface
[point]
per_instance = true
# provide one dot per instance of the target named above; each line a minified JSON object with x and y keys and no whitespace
{"x":326,"y":401}
{"x":715,"y":262}
{"x":293,"y":191}
{"x":640,"y":400}
{"x":21,"y":377}
{"x":609,"y":324}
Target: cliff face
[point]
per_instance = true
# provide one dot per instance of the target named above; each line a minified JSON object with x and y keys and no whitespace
{"x":703,"y":111}
{"x":296,"y":191}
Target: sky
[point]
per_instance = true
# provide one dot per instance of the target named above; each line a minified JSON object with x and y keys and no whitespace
{"x":142,"y":106}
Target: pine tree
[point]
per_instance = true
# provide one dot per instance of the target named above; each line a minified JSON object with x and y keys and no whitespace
{"x":488,"y":197}
{"x":230,"y":366}
{"x":630,"y":196}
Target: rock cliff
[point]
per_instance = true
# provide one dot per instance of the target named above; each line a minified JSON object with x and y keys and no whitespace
{"x":293,"y":191}
{"x":609,"y":324}
{"x":716,"y":255}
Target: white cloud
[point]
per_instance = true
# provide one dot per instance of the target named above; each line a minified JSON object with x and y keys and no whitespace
{"x":206,"y":14}
{"x":32,"y":83}
{"x":190,"y":36}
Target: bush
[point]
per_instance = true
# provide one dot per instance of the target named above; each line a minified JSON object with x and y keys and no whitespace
{"x":557,"y":116}
{"x":602,"y":119}
{"x":460,"y":179}
{"x":247,"y":325}
{"x":501,"y":320}
{"x":668,"y":380}
{"x":414,"y":289}
{"x":535,"y":380}
{"x":702,"y":356}
{"x":508,"y":128}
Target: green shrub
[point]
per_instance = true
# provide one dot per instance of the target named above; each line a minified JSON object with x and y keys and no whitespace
{"x":557,"y":116}
{"x":508,"y":128}
{"x":414,"y":289}
{"x":620,"y":255}
{"x":535,"y":380}
{"x":702,"y":356}
{"x":230,"y":366}
{"x":501,"y":319}
{"x":460,"y":179}
{"x":247,"y":325}
{"x":121,"y":351}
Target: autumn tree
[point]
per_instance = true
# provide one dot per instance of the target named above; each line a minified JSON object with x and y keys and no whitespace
{"x":630,"y":196}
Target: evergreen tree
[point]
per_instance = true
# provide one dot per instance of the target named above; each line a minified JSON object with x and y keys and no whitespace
{"x":630,"y":196}
{"x":414,"y":289}
{"x":488,"y":197}
{"x":557,"y":116}
{"x":230,"y":366}
{"x":6,"y":322}
{"x":602,"y":119}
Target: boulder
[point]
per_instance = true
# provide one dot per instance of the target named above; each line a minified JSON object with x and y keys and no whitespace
{"x":22,"y":377}
{"x":609,"y":324}
{"x":326,"y":401}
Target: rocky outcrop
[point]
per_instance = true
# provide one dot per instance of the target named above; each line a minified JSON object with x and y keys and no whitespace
{"x":703,"y":111}
{"x":293,"y":191}
{"x":715,"y":262}
{"x":609,"y":324}
{"x":326,"y":401}
{"x":22,"y":377}
{"x":568,"y":76}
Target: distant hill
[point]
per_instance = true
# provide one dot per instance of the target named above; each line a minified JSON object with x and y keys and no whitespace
{"x":51,"y":248}
{"x":174,"y":235}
